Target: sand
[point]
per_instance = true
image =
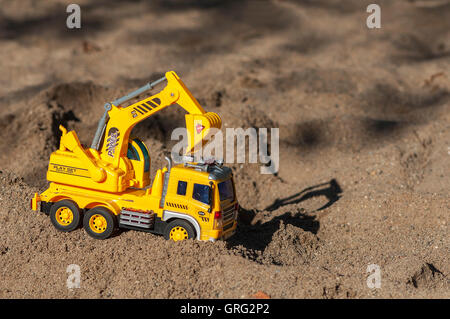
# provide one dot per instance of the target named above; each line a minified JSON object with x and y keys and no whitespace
{"x":364,"y":144}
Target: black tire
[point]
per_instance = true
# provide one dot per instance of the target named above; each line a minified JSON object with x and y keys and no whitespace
{"x":103,"y":231}
{"x":179,"y":223}
{"x":65,"y":224}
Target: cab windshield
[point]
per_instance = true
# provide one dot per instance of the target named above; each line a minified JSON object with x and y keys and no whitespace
{"x":226,"y":190}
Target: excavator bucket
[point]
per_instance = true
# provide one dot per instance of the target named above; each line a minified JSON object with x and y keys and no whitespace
{"x":200,"y":128}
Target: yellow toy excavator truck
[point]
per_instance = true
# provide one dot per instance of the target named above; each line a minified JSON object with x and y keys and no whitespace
{"x":107,"y":186}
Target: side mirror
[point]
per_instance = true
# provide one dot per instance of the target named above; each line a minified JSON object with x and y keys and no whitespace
{"x":210,"y":196}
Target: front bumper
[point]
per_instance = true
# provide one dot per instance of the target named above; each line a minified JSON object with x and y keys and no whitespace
{"x":223,"y":235}
{"x":229,"y":233}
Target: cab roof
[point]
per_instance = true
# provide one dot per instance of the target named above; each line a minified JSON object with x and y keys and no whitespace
{"x":212,"y":172}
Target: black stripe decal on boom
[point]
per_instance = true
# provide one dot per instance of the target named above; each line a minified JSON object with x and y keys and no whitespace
{"x":137,"y":110}
{"x":153,"y":104}
{"x":148,"y":107}
{"x":142,"y":109}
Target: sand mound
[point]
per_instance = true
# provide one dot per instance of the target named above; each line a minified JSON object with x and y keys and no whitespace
{"x":290,"y":246}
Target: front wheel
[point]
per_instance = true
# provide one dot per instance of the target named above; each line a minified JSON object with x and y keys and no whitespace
{"x":179,"y":229}
{"x":65,"y":215}
{"x":99,"y":223}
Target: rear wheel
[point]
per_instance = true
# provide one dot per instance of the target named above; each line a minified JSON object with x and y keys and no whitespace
{"x":99,"y":223}
{"x":65,"y":215}
{"x":179,"y":230}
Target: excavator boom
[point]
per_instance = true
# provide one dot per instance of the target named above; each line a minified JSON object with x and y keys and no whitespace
{"x":116,"y":130}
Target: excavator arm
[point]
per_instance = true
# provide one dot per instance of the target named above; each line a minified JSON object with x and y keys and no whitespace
{"x":108,"y":165}
{"x":116,"y":125}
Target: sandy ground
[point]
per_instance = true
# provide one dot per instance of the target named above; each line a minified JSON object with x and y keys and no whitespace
{"x":364,"y":144}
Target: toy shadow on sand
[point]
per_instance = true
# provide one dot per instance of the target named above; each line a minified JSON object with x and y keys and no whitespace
{"x":257,"y":236}
{"x":332,"y":192}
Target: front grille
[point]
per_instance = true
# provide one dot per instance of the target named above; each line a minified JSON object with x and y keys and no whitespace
{"x":227,"y":226}
{"x":228,"y":214}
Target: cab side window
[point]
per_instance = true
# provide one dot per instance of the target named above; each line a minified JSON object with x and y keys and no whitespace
{"x":181,"y":189}
{"x":201,"y":193}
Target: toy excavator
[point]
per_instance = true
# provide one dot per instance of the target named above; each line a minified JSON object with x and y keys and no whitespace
{"x":107,"y":186}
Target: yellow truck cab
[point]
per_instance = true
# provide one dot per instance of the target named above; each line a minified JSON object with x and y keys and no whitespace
{"x":204,"y":196}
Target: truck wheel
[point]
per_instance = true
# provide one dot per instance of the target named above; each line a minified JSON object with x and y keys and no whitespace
{"x":179,"y":229}
{"x":99,"y":223}
{"x":65,"y":215}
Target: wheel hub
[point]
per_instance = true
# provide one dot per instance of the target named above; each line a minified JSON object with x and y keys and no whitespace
{"x":98,"y":223}
{"x":178,"y":233}
{"x":64,"y":216}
